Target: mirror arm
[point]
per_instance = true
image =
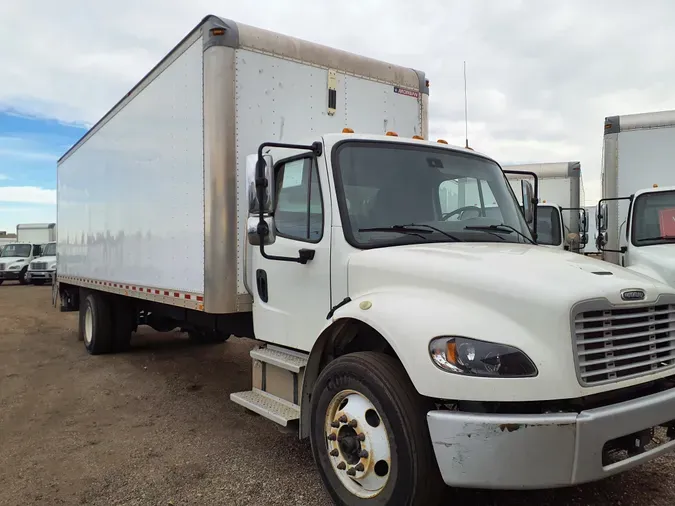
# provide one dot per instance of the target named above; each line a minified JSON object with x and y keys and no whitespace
{"x":261,"y":183}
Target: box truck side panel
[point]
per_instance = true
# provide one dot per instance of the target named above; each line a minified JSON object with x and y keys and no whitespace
{"x":131,"y":205}
{"x":279,"y":99}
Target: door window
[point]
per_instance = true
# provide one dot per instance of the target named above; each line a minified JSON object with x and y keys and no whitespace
{"x":299,"y":209}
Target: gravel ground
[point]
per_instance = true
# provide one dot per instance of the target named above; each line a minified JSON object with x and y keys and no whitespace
{"x":155,"y":427}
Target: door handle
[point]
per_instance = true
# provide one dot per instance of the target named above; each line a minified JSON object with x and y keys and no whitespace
{"x":305,"y":255}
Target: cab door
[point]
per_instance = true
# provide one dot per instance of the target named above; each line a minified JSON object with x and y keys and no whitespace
{"x":291,"y":299}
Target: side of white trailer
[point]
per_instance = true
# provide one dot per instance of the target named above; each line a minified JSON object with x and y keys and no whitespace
{"x":638,"y":152}
{"x":152,"y":201}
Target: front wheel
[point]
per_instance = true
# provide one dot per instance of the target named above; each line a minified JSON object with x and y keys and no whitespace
{"x":369,"y":434}
{"x":22,"y":276}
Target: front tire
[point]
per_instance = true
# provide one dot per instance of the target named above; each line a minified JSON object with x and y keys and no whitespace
{"x":95,"y":324}
{"x":369,"y":435}
{"x":22,"y":276}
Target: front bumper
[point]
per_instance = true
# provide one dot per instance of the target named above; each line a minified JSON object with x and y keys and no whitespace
{"x":43,"y":275}
{"x":496,"y":451}
{"x":9,"y":274}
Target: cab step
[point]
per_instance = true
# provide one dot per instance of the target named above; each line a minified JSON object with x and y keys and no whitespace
{"x":290,"y":360}
{"x":270,"y":406}
{"x":277,"y":376}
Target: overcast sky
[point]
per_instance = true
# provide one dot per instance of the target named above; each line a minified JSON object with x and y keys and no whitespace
{"x":542,"y":74}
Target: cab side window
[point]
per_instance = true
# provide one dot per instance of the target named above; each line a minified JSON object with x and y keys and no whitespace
{"x":299,"y":208}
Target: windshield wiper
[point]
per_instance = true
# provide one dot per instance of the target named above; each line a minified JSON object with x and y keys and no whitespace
{"x":435,"y":229}
{"x":400,"y":229}
{"x":502,"y":227}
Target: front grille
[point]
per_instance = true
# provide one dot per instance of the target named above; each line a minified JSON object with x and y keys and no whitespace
{"x":39,"y":266}
{"x":621,"y":343}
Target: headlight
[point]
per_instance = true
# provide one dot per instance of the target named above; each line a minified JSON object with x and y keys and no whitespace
{"x":14,"y":267}
{"x":472,"y":357}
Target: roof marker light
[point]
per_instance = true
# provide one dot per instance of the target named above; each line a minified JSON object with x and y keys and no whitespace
{"x":418,"y":137}
{"x":392,"y":134}
{"x":442,"y":141}
{"x":347,"y":131}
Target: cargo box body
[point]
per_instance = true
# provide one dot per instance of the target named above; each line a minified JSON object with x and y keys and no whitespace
{"x":152,"y":200}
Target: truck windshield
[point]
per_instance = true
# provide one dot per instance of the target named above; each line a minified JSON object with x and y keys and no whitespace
{"x":438,"y":194}
{"x":50,"y":250}
{"x":16,"y":250}
{"x":653,"y":220}
{"x":548,"y":226}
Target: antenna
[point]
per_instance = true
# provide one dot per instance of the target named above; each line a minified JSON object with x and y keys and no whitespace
{"x":466,"y":113}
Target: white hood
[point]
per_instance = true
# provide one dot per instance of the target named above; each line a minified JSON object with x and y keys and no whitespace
{"x":657,"y":261}
{"x":9,"y":261}
{"x":484,"y":271}
{"x":513,"y":294}
{"x":49,"y":260}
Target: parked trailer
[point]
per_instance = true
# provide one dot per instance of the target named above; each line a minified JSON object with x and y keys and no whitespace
{"x":562,"y":222}
{"x":36,"y":233}
{"x":414,"y":341}
{"x":637,"y":209}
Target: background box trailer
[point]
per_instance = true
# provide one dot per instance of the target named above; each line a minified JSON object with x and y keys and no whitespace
{"x":638,"y":192}
{"x":561,"y":198}
{"x":36,"y":233}
{"x":153,"y":197}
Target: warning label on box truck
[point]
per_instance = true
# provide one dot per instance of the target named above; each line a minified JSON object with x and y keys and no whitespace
{"x":409,"y":93}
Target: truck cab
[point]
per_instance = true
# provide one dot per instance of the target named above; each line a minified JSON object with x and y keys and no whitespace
{"x":14,"y":260}
{"x":42,"y":269}
{"x":647,"y":236}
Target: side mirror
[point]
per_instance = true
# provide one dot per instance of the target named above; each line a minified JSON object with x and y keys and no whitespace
{"x":268,"y":170}
{"x":584,"y":238}
{"x":601,"y":217}
{"x":252,"y":230}
{"x":601,"y":240}
{"x":528,"y":200}
{"x":584,"y":221}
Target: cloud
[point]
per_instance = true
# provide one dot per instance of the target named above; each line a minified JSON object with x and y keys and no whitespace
{"x":27,"y":194}
{"x":541,"y":75}
{"x":4,"y":177}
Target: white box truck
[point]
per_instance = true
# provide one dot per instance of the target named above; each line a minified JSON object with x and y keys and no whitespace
{"x":42,"y":269}
{"x":16,"y":257}
{"x":637,"y":209}
{"x":562,"y":221}
{"x":413,"y":342}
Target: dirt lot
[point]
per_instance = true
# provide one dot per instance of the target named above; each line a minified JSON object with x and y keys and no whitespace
{"x":155,"y":427}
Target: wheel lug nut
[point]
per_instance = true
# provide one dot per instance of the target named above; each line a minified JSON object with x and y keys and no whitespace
{"x":359,"y":467}
{"x":351,"y":471}
{"x":353,"y":423}
{"x":335,"y":425}
{"x":343,"y":419}
{"x":363,"y":454}
{"x":361,"y":437}
{"x":334,"y":453}
{"x":342,"y":466}
{"x":339,"y":439}
{"x":332,"y":437}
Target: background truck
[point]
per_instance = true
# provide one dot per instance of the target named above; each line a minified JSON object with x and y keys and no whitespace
{"x":43,"y":268}
{"x":637,"y":209}
{"x":36,"y":233}
{"x":15,"y":258}
{"x":296,"y":199}
{"x":561,"y":216}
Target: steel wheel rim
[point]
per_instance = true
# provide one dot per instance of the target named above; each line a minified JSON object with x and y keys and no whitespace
{"x":88,"y":325}
{"x":357,"y":443}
